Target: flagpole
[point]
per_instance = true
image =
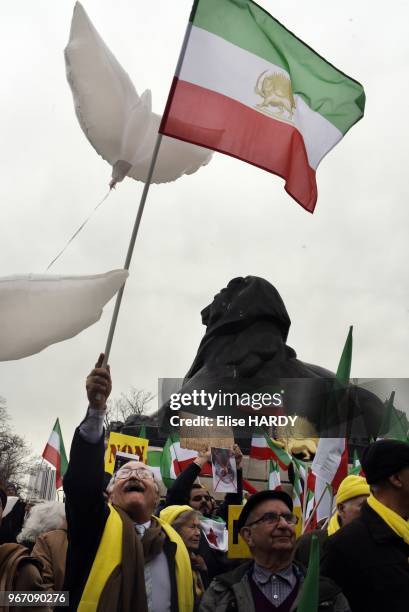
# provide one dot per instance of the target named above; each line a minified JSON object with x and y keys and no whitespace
{"x":315,"y":508}
{"x":131,"y":248}
{"x":304,"y":499}
{"x":142,"y":202}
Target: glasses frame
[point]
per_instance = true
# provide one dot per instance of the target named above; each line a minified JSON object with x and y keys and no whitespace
{"x":279,"y":516}
{"x":134,"y":470}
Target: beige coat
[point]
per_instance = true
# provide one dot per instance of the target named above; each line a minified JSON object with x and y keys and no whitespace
{"x":19,"y":572}
{"x":51,"y":549}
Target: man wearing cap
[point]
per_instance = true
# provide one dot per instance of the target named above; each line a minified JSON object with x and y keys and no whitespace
{"x":271,"y":581}
{"x":369,"y":557}
{"x":351,"y":495}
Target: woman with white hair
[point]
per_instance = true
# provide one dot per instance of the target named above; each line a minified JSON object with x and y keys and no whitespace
{"x":45,"y":530}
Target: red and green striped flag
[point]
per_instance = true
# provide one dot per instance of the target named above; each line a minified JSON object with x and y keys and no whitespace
{"x":54,"y":453}
{"x":176,"y":459}
{"x":247,"y":87}
{"x":264,"y":448}
{"x":300,"y":476}
{"x":356,"y":468}
{"x":274,"y":479}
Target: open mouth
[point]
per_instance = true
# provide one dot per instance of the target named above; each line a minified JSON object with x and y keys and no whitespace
{"x":134,"y":486}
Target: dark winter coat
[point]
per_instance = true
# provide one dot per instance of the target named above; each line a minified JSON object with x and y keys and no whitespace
{"x":370,"y":564}
{"x":231,"y":592}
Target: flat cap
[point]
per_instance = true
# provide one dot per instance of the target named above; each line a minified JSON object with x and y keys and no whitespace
{"x":260,"y":497}
{"x":384,"y":458}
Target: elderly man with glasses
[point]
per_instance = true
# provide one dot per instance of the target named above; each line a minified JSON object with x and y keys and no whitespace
{"x":272,"y":580}
{"x":120,"y":557}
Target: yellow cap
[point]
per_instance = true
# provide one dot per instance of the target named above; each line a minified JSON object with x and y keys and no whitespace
{"x":171,"y":513}
{"x":352,"y":486}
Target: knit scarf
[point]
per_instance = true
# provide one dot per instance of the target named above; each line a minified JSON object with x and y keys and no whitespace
{"x":152,"y":541}
{"x":391,"y":518}
{"x":333,"y":525}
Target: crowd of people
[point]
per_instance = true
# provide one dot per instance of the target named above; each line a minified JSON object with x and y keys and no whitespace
{"x":120,"y":547}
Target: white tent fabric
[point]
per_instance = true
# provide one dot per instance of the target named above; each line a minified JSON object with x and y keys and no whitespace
{"x":118,"y":122}
{"x":39,"y":310}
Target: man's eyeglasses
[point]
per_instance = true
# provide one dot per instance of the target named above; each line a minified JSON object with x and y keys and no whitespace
{"x":141,"y":473}
{"x":273,"y":517}
{"x":197,"y":498}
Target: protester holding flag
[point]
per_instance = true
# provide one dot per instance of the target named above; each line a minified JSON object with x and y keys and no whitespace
{"x":271,"y":579}
{"x":119,"y":556}
{"x":351,"y":495}
{"x":369,"y":557}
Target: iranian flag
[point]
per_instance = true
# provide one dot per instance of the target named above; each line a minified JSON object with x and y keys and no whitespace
{"x":264,"y":448}
{"x":309,"y":517}
{"x":274,"y":479}
{"x":54,"y":453}
{"x":330,"y":464}
{"x":356,"y":468}
{"x":176,"y":459}
{"x":247,"y":87}
{"x":153,"y":460}
{"x":300,"y":476}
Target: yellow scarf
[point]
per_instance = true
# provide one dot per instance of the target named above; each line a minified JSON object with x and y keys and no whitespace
{"x":333,"y":525}
{"x":184,"y":577}
{"x":109,"y":556}
{"x":391,"y":518}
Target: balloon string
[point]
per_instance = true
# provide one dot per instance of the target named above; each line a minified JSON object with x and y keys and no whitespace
{"x":78,"y":230}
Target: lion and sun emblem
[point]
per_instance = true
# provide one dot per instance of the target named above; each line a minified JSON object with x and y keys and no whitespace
{"x":278,"y":100}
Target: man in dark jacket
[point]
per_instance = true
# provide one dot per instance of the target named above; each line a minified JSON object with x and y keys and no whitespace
{"x":369,"y":557}
{"x":119,"y":556}
{"x":272,"y":580}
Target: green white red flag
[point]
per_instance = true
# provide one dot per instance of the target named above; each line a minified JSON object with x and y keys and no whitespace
{"x":274,"y":478}
{"x":330,"y":464}
{"x":176,"y":459}
{"x":153,"y":460}
{"x":300,"y":476}
{"x":54,"y":453}
{"x":247,"y":87}
{"x":264,"y":448}
{"x":356,"y":468}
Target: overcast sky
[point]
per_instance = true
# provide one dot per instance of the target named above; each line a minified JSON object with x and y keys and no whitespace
{"x":346,"y":264}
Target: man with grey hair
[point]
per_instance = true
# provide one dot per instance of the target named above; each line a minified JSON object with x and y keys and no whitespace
{"x":120,"y":557}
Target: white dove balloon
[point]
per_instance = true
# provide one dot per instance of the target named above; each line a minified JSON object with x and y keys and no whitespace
{"x":119,"y":124}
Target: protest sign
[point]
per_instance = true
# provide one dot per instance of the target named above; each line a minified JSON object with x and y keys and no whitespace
{"x":126,"y":444}
{"x":237,"y":547}
{"x":224,"y":470}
